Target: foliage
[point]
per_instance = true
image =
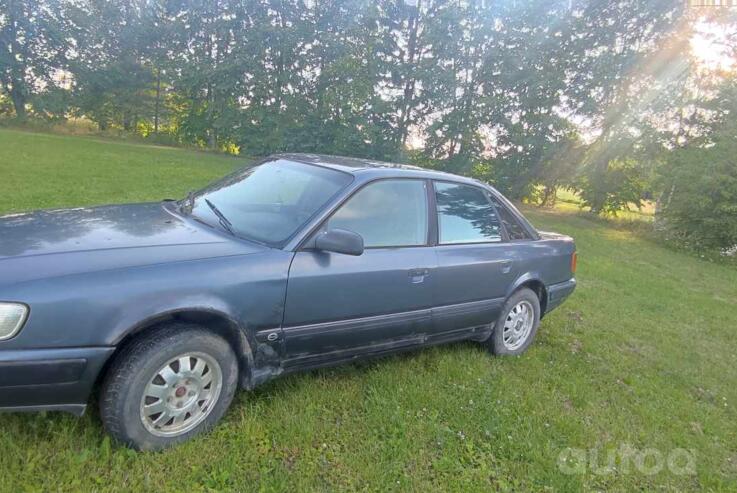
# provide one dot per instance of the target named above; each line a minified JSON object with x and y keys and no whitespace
{"x":343,"y":76}
{"x":701,"y":207}
{"x":614,"y":188}
{"x":53,"y":105}
{"x":32,"y":47}
{"x":702,"y":212}
{"x":6,"y":106}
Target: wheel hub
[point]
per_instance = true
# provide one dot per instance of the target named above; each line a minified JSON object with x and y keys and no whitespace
{"x":181,"y":394}
{"x":518,"y":325}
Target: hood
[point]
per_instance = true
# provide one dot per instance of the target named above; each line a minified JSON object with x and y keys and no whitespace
{"x":58,"y":242}
{"x":115,"y":226}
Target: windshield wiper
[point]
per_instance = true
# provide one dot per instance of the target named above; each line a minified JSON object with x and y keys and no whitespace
{"x":221,"y":217}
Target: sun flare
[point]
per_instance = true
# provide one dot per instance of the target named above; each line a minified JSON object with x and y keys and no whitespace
{"x":714,"y":46}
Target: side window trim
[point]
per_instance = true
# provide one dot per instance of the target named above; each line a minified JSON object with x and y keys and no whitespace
{"x":433,"y":227}
{"x":323,"y":225}
{"x":502,"y":227}
{"x":502,"y":230}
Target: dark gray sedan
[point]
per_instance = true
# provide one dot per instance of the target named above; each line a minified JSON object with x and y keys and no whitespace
{"x":300,"y":262}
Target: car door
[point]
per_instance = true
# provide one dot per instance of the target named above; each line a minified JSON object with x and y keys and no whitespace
{"x":340,"y":305}
{"x":475,"y":265}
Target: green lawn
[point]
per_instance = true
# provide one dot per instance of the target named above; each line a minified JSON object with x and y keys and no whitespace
{"x":39,"y":171}
{"x":644,"y":355}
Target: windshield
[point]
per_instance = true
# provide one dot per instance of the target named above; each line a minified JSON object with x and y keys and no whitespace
{"x":268,"y":203}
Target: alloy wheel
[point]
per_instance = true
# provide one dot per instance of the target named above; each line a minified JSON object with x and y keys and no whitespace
{"x":181,"y":394}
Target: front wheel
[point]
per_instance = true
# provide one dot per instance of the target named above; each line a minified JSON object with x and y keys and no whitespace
{"x":517,"y":324}
{"x":168,"y":386}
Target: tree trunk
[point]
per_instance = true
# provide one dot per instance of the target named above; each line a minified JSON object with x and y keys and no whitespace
{"x":126,"y":121}
{"x":549,"y":196}
{"x":212,"y":140}
{"x":661,"y":203}
{"x":19,"y":102}
{"x":158,"y":101}
{"x":409,"y":85}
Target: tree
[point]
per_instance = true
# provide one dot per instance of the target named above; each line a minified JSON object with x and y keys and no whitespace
{"x":530,"y":96}
{"x":117,"y":68}
{"x":619,"y":56}
{"x":461,"y":37}
{"x":33,"y":47}
{"x":701,"y":210}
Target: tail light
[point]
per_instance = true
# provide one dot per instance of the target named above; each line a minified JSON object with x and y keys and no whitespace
{"x":574,"y":262}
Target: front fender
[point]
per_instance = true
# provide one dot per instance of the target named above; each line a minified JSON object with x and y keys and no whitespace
{"x":151,"y":312}
{"x":259,"y":360}
{"x":100,"y":308}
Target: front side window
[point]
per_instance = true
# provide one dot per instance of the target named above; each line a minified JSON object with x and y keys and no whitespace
{"x":268,"y":203}
{"x":465,"y":215}
{"x":387,"y":213}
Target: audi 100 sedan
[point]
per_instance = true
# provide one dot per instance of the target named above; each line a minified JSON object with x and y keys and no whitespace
{"x":165,"y":309}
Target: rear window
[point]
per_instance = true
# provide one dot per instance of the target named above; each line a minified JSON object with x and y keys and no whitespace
{"x":465,"y":215}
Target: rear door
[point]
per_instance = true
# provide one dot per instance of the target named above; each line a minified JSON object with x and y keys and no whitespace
{"x":475,"y":264}
{"x":339,"y":305}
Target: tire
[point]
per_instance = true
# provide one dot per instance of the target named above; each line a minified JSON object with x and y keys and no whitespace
{"x":188,"y":392}
{"x":503,"y":342}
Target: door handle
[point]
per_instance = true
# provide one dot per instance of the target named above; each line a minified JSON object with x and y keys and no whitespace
{"x":506,"y":266}
{"x":416,"y":276}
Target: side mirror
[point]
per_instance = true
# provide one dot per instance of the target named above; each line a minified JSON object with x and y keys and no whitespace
{"x":340,"y":241}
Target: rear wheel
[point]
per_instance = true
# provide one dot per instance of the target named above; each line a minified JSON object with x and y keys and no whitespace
{"x":517,"y":324}
{"x":168,"y":386}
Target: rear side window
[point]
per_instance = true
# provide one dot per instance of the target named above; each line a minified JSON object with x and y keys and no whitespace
{"x":465,"y":215}
{"x":515,"y":230}
{"x":387,"y":213}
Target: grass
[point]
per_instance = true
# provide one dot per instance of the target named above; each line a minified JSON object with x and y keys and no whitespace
{"x":642,"y":355}
{"x":42,"y":170}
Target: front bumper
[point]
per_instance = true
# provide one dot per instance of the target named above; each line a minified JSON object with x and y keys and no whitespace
{"x":49,"y":379}
{"x":557,"y":293}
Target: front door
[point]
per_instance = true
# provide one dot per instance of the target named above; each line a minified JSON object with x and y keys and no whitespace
{"x":339,"y":305}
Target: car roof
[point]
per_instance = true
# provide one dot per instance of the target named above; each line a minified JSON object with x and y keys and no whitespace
{"x":358,"y":166}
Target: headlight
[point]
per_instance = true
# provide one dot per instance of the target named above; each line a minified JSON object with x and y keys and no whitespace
{"x":12,"y":318}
